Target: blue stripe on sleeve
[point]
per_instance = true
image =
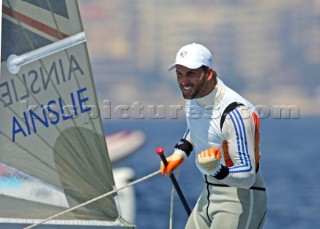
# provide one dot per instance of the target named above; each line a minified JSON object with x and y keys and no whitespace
{"x":186,"y":134}
{"x":242,"y":143}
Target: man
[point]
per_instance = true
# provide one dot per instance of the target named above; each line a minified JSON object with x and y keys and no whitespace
{"x":223,"y":132}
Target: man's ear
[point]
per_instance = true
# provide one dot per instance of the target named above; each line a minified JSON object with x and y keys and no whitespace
{"x":212,"y":74}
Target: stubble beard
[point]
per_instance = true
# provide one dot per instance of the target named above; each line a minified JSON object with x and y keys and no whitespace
{"x":196,"y":94}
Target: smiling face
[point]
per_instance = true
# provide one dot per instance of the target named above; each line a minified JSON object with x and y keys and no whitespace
{"x":195,"y":83}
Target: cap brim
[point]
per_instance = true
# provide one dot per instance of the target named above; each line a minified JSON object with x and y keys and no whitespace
{"x":191,"y":66}
{"x":171,"y":67}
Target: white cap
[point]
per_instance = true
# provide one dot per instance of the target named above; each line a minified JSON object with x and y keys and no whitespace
{"x":193,"y":56}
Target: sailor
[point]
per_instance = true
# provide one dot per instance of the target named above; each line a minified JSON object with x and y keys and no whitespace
{"x":223,"y":132}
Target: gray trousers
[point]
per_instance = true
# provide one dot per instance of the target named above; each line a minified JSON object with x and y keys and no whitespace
{"x":224,"y":207}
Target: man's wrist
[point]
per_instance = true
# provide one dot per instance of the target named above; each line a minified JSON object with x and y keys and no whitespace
{"x":184,"y":148}
{"x":215,"y":171}
{"x":180,"y":153}
{"x":221,"y":173}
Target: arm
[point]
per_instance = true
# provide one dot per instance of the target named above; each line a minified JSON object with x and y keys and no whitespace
{"x":238,"y":149}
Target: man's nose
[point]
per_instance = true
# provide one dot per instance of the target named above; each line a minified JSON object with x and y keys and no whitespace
{"x":184,"y":80}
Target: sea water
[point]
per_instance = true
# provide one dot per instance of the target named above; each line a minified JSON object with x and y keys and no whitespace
{"x":290,"y":165}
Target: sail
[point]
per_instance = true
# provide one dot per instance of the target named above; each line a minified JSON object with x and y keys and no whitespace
{"x":0,"y":31}
{"x":53,"y":153}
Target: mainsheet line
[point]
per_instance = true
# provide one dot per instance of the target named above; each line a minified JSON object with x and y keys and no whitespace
{"x":95,"y":199}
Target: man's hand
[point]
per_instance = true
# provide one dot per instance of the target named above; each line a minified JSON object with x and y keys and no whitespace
{"x":173,"y":162}
{"x":209,"y":160}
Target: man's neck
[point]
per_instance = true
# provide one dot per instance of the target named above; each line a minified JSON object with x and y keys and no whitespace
{"x":210,"y":99}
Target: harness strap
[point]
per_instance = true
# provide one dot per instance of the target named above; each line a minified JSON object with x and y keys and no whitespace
{"x":224,"y":185}
{"x":228,"y":109}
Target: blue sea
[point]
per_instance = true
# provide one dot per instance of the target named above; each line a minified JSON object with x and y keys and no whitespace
{"x":290,"y":164}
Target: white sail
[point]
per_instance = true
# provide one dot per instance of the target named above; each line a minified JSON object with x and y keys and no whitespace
{"x":0,"y":30}
{"x":51,"y":157}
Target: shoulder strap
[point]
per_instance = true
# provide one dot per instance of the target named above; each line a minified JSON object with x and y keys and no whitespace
{"x":228,"y":109}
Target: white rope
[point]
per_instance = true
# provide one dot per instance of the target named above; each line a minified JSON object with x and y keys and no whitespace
{"x":95,"y":199}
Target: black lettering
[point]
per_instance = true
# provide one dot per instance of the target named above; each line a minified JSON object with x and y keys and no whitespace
{"x":74,"y":66}
{"x":33,"y":88}
{"x":6,"y":93}
{"x":14,"y":90}
{"x":62,"y":71}
{"x":25,"y":87}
